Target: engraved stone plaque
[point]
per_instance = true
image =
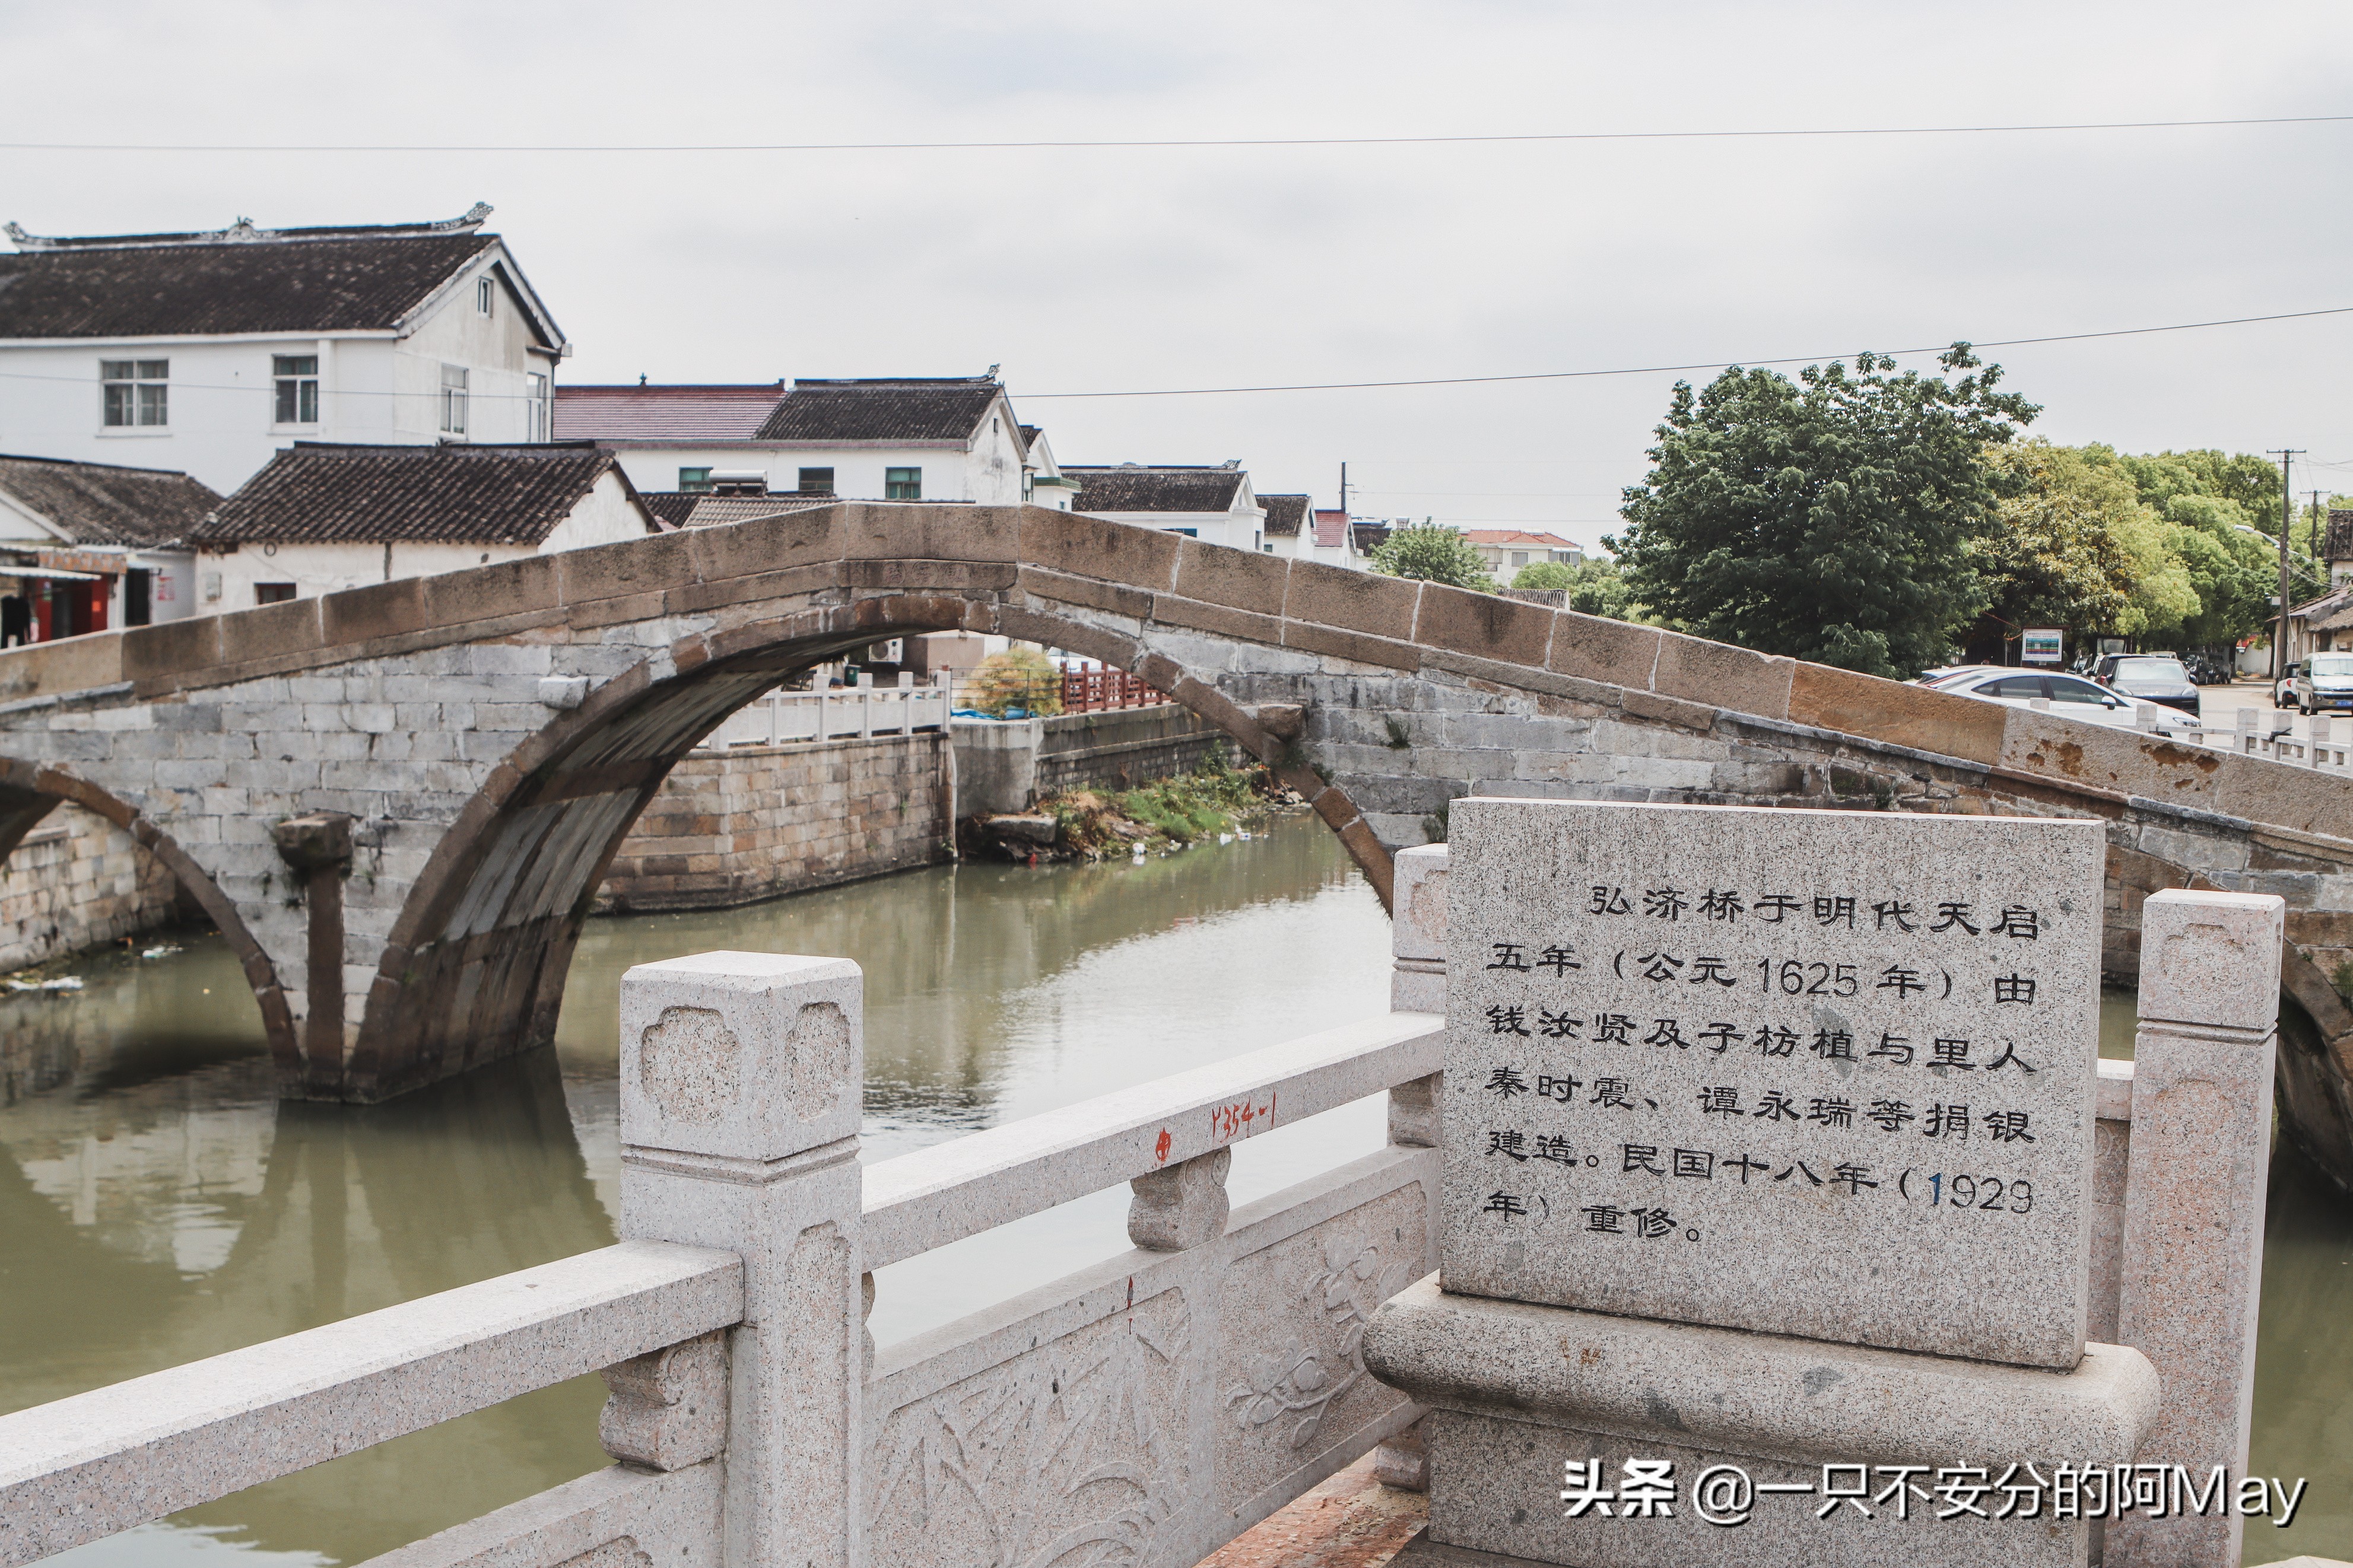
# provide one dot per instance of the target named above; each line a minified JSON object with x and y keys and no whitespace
{"x":1828,"y":1074}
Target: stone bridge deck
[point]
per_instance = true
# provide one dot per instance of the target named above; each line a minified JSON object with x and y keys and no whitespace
{"x":470,"y":749}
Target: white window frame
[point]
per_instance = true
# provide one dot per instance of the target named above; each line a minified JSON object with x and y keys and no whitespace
{"x":543,"y":405}
{"x":281,"y":378}
{"x":454,"y":389}
{"x":138,"y":378}
{"x":486,"y":295}
{"x":915,"y":483}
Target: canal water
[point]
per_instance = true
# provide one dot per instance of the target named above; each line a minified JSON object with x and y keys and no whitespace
{"x":158,"y":1205}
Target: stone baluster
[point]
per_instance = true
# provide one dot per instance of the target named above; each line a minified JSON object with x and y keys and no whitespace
{"x":1182,"y":1206}
{"x":741,"y":1080}
{"x":2194,"y":1198}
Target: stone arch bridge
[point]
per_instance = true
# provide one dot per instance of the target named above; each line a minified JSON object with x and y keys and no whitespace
{"x":398,"y":802}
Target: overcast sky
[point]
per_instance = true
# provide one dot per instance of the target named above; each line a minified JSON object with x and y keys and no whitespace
{"x":1084,"y":270}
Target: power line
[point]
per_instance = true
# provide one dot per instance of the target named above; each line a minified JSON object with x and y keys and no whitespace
{"x":1676,"y":369}
{"x":601,"y":149}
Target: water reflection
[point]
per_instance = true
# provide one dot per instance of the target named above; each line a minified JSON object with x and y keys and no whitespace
{"x":158,"y":1205}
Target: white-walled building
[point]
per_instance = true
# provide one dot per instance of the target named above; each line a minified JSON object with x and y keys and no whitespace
{"x":321,"y":518}
{"x":1506,"y":550}
{"x":1213,"y":504}
{"x":209,"y":353}
{"x":87,"y":547}
{"x":1295,"y":528}
{"x":953,"y":439}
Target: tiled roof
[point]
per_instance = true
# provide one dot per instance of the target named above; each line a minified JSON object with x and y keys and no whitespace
{"x":1520,"y":539}
{"x":1331,"y":528}
{"x":292,"y":286}
{"x":323,"y":492}
{"x":663,"y":413}
{"x":712,"y":510}
{"x":671,"y":508}
{"x":1284,"y":514}
{"x":946,"y":409}
{"x":97,"y":503}
{"x":1369,"y":536}
{"x":1131,"y":486}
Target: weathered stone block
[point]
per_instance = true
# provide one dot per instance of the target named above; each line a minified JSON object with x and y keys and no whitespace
{"x":1723,"y":676}
{"x":1363,"y":602}
{"x":1484,"y":625}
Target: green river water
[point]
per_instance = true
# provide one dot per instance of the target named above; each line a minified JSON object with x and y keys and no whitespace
{"x":158,"y":1205}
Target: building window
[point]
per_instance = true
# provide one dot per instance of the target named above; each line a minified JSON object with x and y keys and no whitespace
{"x":818,"y":481}
{"x":272,"y":592}
{"x":453,"y":400}
{"x":902,"y":484}
{"x":136,"y":393}
{"x":540,"y":405}
{"x":297,"y":387}
{"x":1519,"y":557}
{"x":486,"y":292}
{"x":695,"y":480}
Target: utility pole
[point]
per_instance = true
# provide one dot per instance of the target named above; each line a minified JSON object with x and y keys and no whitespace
{"x":2311,"y":532}
{"x":1343,"y":490}
{"x":2287,"y":508}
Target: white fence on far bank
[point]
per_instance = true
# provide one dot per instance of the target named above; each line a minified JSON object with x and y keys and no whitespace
{"x":841,"y":713}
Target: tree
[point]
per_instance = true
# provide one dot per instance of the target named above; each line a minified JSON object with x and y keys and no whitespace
{"x":1594,"y":587}
{"x":1828,"y":518}
{"x":1432,"y":552}
{"x":1545,"y":575}
{"x":2056,"y":555}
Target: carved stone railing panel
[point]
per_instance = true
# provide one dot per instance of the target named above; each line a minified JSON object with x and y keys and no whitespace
{"x":1295,"y":1295}
{"x":1097,"y":1420}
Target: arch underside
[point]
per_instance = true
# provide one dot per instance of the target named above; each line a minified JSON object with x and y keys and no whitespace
{"x":29,"y":792}
{"x":477,"y":965}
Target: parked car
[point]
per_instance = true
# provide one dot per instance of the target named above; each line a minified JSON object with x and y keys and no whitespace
{"x":2070,"y":695}
{"x":2284,"y":686}
{"x":2323,"y":683}
{"x":2149,"y":678}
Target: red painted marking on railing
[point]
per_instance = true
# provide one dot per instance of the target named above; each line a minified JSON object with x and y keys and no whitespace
{"x":1241,"y":1119}
{"x":1160,"y":1149}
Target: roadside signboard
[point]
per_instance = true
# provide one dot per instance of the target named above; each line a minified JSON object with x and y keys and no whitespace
{"x":2040,"y":644}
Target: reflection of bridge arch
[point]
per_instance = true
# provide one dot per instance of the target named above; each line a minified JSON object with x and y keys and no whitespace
{"x":433,"y":713}
{"x":480,"y":949}
{"x":29,"y":791}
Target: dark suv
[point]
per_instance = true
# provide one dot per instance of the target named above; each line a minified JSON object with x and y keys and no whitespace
{"x":2148,"y":677}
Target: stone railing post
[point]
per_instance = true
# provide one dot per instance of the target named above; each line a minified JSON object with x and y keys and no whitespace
{"x":2200,"y":1160}
{"x":1418,"y":930}
{"x":741,"y":1082}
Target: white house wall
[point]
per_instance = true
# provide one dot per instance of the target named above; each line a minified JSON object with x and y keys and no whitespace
{"x":224,"y":397}
{"x":951,"y":470}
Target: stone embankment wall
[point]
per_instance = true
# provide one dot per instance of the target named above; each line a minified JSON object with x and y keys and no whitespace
{"x":751,"y":822}
{"x":1122,"y":749}
{"x":77,"y":881}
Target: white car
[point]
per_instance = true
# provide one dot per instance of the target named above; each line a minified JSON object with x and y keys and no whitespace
{"x":2065,"y":696}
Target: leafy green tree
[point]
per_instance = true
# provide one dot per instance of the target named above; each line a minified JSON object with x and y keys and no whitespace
{"x":2055,"y":555}
{"x":1544,"y":574}
{"x":1828,"y":518}
{"x":1594,"y":587}
{"x":1433,"y":552}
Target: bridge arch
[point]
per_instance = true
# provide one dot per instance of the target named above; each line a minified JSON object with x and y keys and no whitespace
{"x":29,"y":791}
{"x":477,"y":956}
